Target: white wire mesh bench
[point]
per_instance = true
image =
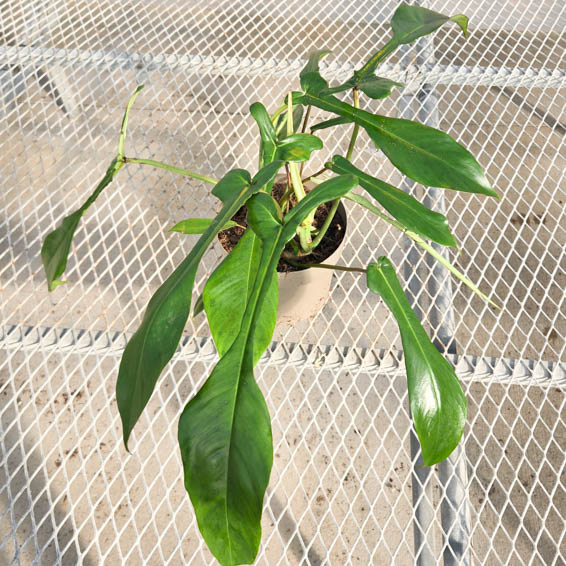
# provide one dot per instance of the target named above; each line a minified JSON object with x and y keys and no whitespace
{"x":346,"y":486}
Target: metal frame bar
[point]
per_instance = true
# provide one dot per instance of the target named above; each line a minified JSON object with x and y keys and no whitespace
{"x":239,"y":66}
{"x":469,"y":368}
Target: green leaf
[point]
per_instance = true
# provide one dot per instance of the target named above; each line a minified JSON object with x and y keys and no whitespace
{"x":409,"y":23}
{"x":438,"y":404}
{"x":330,"y":123}
{"x":57,"y":244}
{"x":311,"y":79}
{"x":227,"y":292}
{"x":297,"y":147}
{"x":224,"y":431}
{"x":405,"y":208}
{"x":424,"y":154}
{"x":155,"y":341}
{"x":372,"y":86}
{"x":266,"y":131}
{"x":377,"y":87}
{"x":198,"y":225}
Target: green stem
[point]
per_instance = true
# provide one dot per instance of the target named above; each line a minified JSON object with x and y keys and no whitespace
{"x":326,"y":224}
{"x":327,"y":266}
{"x":356,"y":126}
{"x":314,"y":175}
{"x":123,"y":128}
{"x":336,"y":202}
{"x":289,"y":115}
{"x":303,"y":129}
{"x":306,"y":120}
{"x":171,"y":168}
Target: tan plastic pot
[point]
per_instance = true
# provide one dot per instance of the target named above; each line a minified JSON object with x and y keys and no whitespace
{"x":302,"y":294}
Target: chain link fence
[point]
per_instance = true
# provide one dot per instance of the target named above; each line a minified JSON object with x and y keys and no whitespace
{"x":346,"y":486}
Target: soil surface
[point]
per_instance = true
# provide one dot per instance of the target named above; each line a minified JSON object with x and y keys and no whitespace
{"x":333,"y":238}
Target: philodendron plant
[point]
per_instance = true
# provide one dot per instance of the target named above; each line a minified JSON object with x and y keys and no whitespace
{"x":224,"y":431}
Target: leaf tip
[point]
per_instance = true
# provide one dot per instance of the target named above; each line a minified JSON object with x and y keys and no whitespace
{"x":462,"y":21}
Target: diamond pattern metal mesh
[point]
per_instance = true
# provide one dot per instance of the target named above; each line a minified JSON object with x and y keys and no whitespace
{"x":346,"y":487}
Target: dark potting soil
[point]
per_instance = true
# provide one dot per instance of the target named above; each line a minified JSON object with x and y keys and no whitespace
{"x":333,"y":238}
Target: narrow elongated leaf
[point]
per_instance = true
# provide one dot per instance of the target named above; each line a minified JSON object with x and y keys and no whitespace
{"x":330,"y":123}
{"x":198,"y":225}
{"x":297,"y":147}
{"x":409,"y":23}
{"x":402,"y":206}
{"x":438,"y":404}
{"x":311,"y":79}
{"x":224,"y":431}
{"x":372,"y":86}
{"x":57,"y":244}
{"x":155,"y":341}
{"x":227,"y":292}
{"x":422,"y":153}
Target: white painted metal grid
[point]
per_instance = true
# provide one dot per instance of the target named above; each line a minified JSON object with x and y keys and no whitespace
{"x":341,"y":489}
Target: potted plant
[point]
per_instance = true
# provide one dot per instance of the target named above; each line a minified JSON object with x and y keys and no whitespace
{"x":224,"y":431}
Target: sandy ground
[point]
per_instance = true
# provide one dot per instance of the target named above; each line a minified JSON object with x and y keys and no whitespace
{"x":341,"y":488}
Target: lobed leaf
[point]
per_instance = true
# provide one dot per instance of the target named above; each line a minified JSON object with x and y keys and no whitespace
{"x":438,"y":404}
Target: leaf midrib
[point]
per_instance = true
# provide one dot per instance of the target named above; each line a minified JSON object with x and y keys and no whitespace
{"x":241,"y":364}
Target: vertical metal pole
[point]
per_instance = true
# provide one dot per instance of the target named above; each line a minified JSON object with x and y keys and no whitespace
{"x":452,"y":472}
{"x":423,"y":508}
{"x":454,"y":507}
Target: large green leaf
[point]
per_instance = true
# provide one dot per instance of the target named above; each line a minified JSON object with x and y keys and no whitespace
{"x":405,"y":208}
{"x":155,"y":341}
{"x":438,"y":404}
{"x":227,"y":292}
{"x":57,"y":244}
{"x":424,"y":154}
{"x":409,"y":23}
{"x":224,"y":431}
